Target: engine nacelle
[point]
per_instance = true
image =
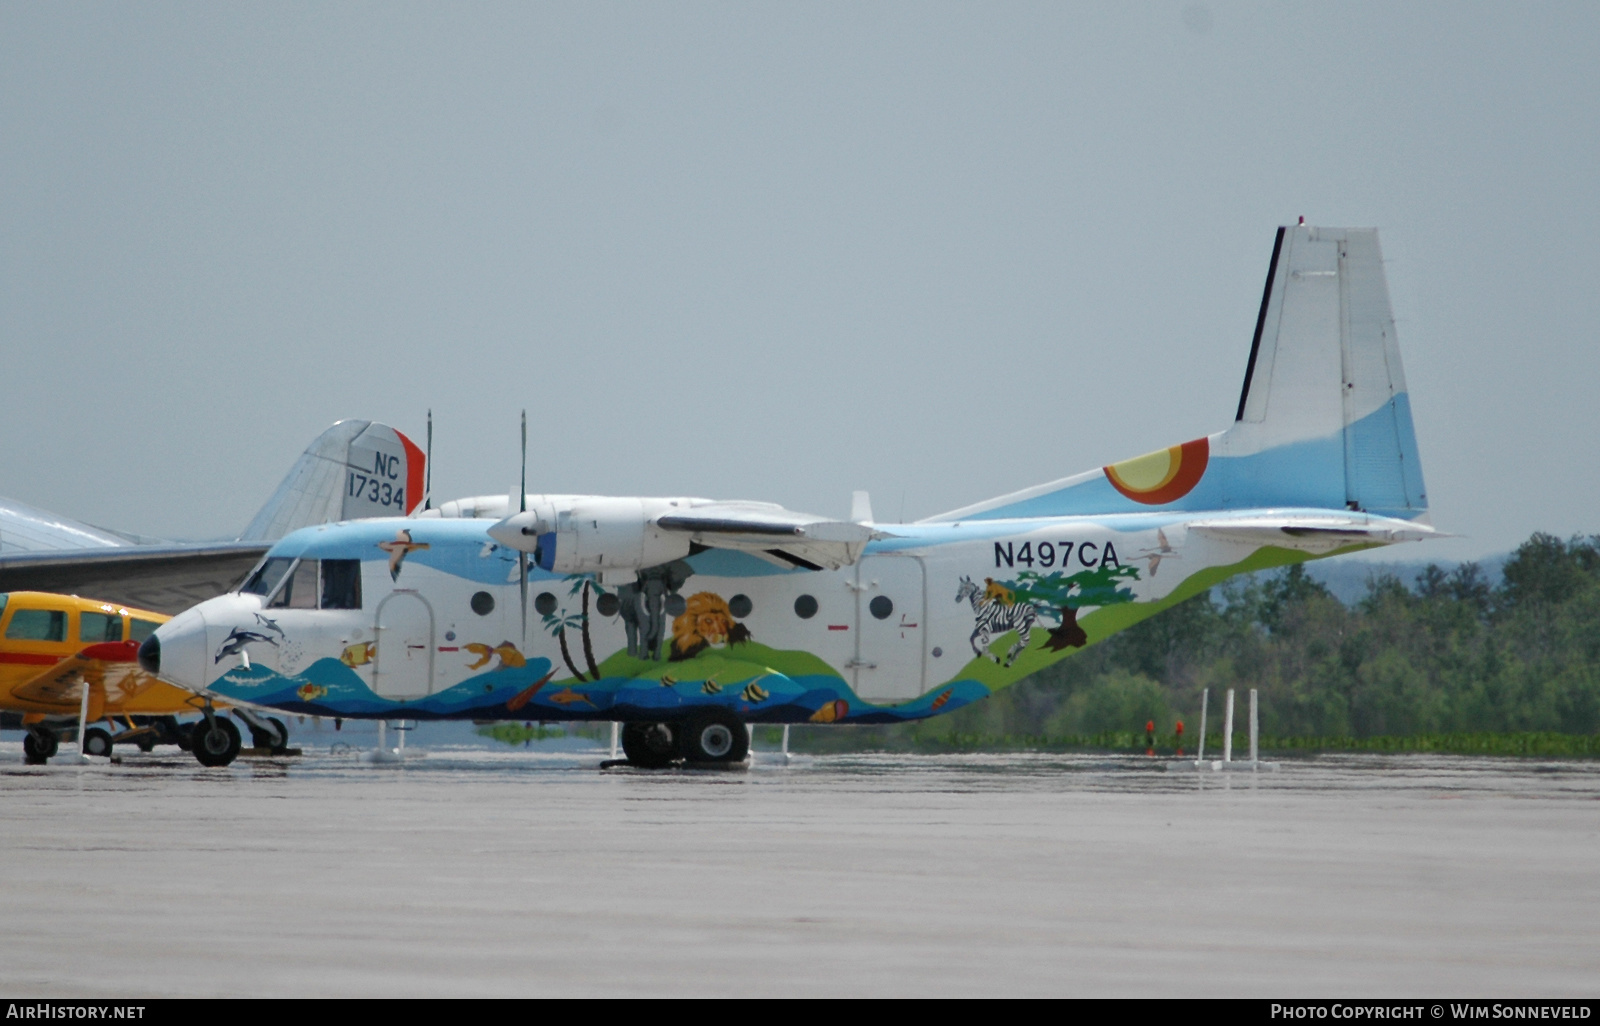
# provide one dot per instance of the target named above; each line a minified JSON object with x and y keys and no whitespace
{"x":595,"y":534}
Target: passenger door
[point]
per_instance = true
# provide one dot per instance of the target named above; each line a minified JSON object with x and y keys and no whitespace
{"x":890,"y":622}
{"x":404,"y":665}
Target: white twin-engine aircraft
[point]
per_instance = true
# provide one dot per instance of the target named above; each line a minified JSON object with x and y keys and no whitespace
{"x":687,"y":619}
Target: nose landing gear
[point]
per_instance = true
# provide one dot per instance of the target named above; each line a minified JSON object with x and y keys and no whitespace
{"x":214,"y":740}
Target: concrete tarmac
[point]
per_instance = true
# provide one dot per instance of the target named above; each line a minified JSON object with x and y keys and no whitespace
{"x":508,"y":872}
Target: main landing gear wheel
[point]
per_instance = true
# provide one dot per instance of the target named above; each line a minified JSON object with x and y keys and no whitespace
{"x":275,"y":741}
{"x":38,"y":746}
{"x":97,"y":742}
{"x":715,"y":737}
{"x":215,"y":743}
{"x":649,"y":745}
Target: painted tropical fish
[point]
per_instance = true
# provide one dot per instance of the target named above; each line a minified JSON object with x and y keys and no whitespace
{"x":310,"y":692}
{"x":510,"y":658}
{"x":831,"y":712}
{"x":567,"y":696}
{"x":711,"y":687}
{"x":359,"y":654}
{"x":754,"y":693}
{"x":521,"y":698}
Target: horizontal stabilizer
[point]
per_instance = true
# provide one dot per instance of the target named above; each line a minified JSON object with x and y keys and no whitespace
{"x":1312,"y":532}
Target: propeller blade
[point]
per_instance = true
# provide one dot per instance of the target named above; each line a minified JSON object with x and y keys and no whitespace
{"x":522,"y":559}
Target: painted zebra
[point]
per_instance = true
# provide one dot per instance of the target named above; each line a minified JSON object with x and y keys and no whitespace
{"x":996,"y":618}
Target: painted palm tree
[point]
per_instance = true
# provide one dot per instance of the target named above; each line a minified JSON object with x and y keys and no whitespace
{"x":581,"y":585}
{"x":558,"y":623}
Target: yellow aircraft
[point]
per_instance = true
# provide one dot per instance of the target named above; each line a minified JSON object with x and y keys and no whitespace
{"x":65,"y":658}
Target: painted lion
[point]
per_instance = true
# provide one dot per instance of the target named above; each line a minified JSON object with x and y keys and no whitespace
{"x":705,"y":621}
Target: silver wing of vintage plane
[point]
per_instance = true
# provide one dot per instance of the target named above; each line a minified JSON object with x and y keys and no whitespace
{"x":354,"y":469}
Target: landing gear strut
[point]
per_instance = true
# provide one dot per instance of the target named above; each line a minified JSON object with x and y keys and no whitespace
{"x":267,"y":733}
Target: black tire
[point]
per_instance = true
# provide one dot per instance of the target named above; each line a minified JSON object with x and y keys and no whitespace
{"x":97,"y":741}
{"x":649,"y":745}
{"x":283,"y":735}
{"x":714,"y":736}
{"x":185,"y":739}
{"x":146,"y":744}
{"x":37,"y":748}
{"x":216,"y":745}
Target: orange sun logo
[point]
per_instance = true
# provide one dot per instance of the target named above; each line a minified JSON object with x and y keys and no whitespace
{"x":1163,"y":476}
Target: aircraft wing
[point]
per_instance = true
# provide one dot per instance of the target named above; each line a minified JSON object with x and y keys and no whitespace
{"x":773,"y":533}
{"x":1312,"y":532}
{"x":354,"y":469}
{"x":160,"y":578}
{"x":112,"y":665}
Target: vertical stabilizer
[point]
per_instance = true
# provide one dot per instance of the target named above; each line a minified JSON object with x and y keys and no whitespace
{"x":1324,"y":418}
{"x":1323,"y":421}
{"x":355,"y":469}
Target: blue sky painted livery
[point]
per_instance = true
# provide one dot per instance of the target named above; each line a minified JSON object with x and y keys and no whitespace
{"x":686,"y":618}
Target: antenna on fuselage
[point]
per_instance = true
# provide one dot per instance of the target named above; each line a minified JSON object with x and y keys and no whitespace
{"x":427,"y":467}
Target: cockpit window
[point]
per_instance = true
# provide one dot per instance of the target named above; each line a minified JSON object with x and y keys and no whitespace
{"x":341,"y":584}
{"x":97,"y":627}
{"x":37,"y":625}
{"x":138,"y":629}
{"x":300,"y":590}
{"x":266,"y":576}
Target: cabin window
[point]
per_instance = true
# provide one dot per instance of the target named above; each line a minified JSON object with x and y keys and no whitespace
{"x":300,"y":590}
{"x":805,"y":607}
{"x":37,"y":625}
{"x":4,"y":598}
{"x":341,"y":584}
{"x":97,"y":627}
{"x":138,"y":629}
{"x":267,"y":576}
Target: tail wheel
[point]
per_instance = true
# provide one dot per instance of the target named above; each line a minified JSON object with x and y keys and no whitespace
{"x":97,"y":741}
{"x":715,"y":737}
{"x":215,"y":743}
{"x":650,"y":745}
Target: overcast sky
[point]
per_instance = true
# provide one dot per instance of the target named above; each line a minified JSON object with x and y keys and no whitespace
{"x":773,"y":251}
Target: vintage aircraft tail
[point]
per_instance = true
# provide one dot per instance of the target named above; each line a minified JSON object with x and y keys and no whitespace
{"x":356,"y":468}
{"x":1323,"y":421}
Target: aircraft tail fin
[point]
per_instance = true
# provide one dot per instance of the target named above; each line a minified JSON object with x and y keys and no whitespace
{"x":355,"y":469}
{"x":1323,"y":420}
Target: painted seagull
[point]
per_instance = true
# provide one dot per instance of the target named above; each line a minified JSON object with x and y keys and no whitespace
{"x":398,"y":549}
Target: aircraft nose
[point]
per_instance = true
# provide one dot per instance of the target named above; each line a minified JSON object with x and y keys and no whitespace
{"x":176,"y":652}
{"x":150,"y":656}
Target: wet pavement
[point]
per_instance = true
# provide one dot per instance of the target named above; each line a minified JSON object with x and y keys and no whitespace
{"x":478,"y":869}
